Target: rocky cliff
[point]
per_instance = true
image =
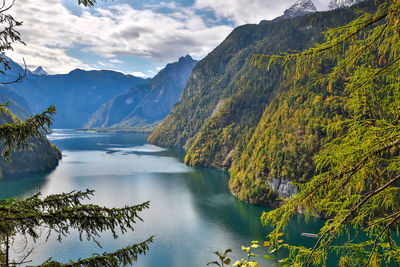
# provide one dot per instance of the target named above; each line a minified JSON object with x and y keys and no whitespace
{"x":146,"y":104}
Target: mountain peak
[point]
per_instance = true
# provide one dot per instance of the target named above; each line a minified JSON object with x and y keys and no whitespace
{"x":182,"y":63}
{"x":188,"y":58}
{"x":39,"y":71}
{"x":342,"y":3}
{"x":299,"y":8}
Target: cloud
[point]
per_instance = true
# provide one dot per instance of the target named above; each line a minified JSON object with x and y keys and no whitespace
{"x":250,"y":11}
{"x":53,"y":60}
{"x":160,"y":32}
{"x":116,"y":61}
{"x":50,"y":30}
{"x":139,"y":74}
{"x":245,"y":11}
{"x":105,"y":64}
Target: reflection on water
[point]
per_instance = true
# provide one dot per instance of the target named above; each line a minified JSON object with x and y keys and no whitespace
{"x":22,"y":186}
{"x":192,"y":214}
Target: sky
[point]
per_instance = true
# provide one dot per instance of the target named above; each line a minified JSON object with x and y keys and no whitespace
{"x":137,"y":37}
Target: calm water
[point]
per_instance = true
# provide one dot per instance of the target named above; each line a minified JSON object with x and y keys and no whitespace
{"x":191,"y":215}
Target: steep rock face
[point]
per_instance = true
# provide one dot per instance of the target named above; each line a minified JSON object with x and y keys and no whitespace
{"x":342,"y":3}
{"x":299,"y":8}
{"x":76,"y":95}
{"x":251,"y":120}
{"x":17,"y":104}
{"x":282,"y":187}
{"x":146,"y":104}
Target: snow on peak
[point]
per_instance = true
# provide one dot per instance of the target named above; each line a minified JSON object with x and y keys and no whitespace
{"x":39,"y":71}
{"x":342,"y":3}
{"x":299,"y":8}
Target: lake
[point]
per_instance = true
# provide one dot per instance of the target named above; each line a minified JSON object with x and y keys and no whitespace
{"x":191,"y":215}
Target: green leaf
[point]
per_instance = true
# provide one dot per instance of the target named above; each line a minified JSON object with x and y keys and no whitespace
{"x":269,"y":257}
{"x":228,"y":251}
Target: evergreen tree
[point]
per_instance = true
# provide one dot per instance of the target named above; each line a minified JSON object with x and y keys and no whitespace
{"x":63,"y":212}
{"x":358,"y":172}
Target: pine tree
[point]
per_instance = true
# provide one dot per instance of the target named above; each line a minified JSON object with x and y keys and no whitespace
{"x":65,"y":212}
{"x":58,"y":213}
{"x":357,"y":186}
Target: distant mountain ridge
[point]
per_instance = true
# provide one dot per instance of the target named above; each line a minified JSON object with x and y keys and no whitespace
{"x":76,"y":95}
{"x":146,"y":104}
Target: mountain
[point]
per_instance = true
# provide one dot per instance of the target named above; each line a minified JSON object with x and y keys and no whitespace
{"x":146,"y":104}
{"x":43,"y":156}
{"x":39,"y":71}
{"x":76,"y":95}
{"x":12,"y":72}
{"x":299,"y":8}
{"x":258,"y":123}
{"x":342,"y":3}
{"x":16,"y":103}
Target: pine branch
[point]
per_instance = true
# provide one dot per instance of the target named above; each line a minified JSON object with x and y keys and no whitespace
{"x":387,"y":227}
{"x":123,"y":257}
{"x":15,"y":134}
{"x":360,"y":25}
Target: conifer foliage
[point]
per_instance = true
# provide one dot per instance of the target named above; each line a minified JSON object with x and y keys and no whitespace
{"x":357,"y":181}
{"x":62,"y":213}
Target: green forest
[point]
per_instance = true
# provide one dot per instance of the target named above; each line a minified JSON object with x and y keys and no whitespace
{"x":259,"y":122}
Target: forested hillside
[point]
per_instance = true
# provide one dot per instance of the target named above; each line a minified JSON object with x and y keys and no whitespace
{"x":235,"y":116}
{"x":42,"y":155}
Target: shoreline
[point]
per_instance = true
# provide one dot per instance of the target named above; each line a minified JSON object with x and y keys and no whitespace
{"x":114,"y":130}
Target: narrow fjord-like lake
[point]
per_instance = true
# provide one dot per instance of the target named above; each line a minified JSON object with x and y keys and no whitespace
{"x":191,"y":215}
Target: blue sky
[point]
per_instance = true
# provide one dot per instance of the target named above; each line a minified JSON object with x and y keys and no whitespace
{"x":136,"y":37}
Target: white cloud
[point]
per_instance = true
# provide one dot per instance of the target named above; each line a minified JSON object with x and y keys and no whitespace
{"x":116,"y":61}
{"x":138,"y":74}
{"x":53,"y":60}
{"x":104,"y":64}
{"x":250,"y":11}
{"x":50,"y":29}
{"x":245,"y":11}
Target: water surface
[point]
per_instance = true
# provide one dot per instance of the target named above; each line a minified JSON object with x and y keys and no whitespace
{"x":191,"y":215}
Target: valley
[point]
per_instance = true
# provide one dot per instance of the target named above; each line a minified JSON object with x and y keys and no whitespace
{"x":283,"y":137}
